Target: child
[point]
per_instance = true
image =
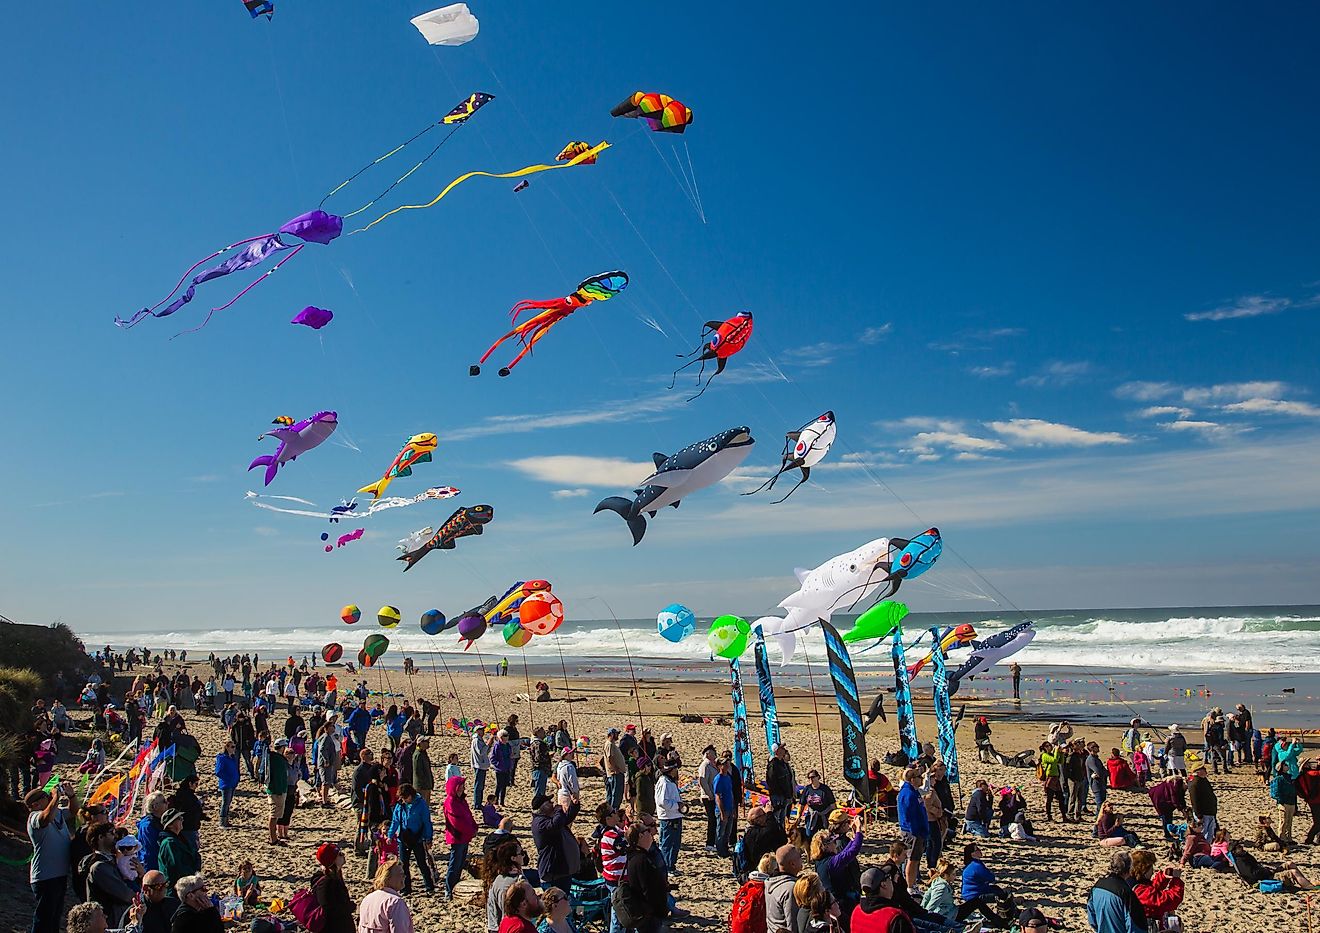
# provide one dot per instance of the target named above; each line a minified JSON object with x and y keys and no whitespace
{"x":94,"y":763}
{"x":130,"y":866}
{"x":451,"y":769}
{"x":1141,"y":764}
{"x":490,"y":814}
{"x":247,"y":885}
{"x":1267,"y":840}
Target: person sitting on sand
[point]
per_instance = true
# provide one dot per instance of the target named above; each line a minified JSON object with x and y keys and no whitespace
{"x":835,"y":861}
{"x":1160,"y":892}
{"x":979,"y":810}
{"x":1109,"y":828}
{"x":501,"y":871}
{"x":1113,"y":907}
{"x":1012,"y":809}
{"x":1121,"y":775}
{"x":1196,"y":851}
{"x":246,"y":884}
{"x":980,"y":890}
{"x":939,"y":898}
{"x":1267,"y":840}
{"x":490,"y":813}
{"x":1253,"y":872}
{"x":816,"y":910}
{"x":876,"y":912}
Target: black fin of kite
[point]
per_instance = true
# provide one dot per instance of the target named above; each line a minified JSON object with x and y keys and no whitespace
{"x":768,"y":484}
{"x":712,"y":325}
{"x":636,"y":523}
{"x":659,"y":459}
{"x":794,"y":489}
{"x":674,"y":504}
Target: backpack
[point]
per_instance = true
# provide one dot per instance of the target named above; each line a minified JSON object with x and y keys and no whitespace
{"x":623,"y":903}
{"x":309,"y":914}
{"x":748,"y":914}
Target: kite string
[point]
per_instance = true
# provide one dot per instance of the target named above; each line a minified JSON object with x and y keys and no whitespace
{"x":494,"y":713}
{"x":811,"y":679}
{"x":568,"y":694}
{"x":452,"y":685}
{"x":527,"y":676}
{"x":637,"y":694}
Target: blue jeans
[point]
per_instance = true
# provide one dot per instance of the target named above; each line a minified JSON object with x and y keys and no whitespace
{"x":934,"y":845}
{"x":614,"y":790}
{"x":721,"y":838}
{"x":671,"y":836}
{"x":615,"y":927}
{"x":539,"y":779}
{"x":478,"y":788}
{"x":1098,"y":794}
{"x":976,"y":829}
{"x":226,"y":797}
{"x":49,"y":909}
{"x":457,"y":856}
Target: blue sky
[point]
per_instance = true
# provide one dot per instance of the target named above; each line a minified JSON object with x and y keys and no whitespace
{"x":1056,"y":272}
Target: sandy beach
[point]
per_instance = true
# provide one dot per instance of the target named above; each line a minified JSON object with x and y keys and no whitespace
{"x":1054,"y":873}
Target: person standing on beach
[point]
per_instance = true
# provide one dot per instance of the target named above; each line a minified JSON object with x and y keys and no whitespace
{"x":615,"y":768}
{"x":1204,"y":803}
{"x":1248,"y":755}
{"x":566,"y":773}
{"x":1016,"y":669}
{"x":410,"y":825}
{"x":277,"y":788}
{"x":1051,"y":779}
{"x":668,"y":800}
{"x":780,"y":783}
{"x":707,"y":771}
{"x":49,"y":832}
{"x":479,"y":756}
{"x":912,"y":823}
{"x":1175,"y":751}
{"x":722,"y":788}
{"x":1097,"y":776}
{"x":1284,"y":793}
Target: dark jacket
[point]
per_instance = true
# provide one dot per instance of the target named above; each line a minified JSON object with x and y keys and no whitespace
{"x":1204,"y":802}
{"x":758,"y":840}
{"x":185,"y":801}
{"x":156,"y":917}
{"x":177,"y":858}
{"x":423,"y":777}
{"x":242,"y":735}
{"x":187,"y":920}
{"x":557,"y":853}
{"x":107,"y":887}
{"x":979,"y":809}
{"x":1168,"y":796}
{"x":779,"y":779}
{"x":872,"y":915}
{"x":648,"y":885}
{"x":332,"y":894}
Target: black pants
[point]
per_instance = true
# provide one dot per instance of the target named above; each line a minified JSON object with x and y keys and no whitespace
{"x":709,"y":807}
{"x":49,"y":909}
{"x":1313,"y":834}
{"x":418,"y":853}
{"x":992,"y":919}
{"x":1053,"y":792}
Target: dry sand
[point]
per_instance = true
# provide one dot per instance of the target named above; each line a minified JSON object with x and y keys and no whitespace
{"x":1054,"y":873}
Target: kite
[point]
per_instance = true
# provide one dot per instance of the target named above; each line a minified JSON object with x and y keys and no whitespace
{"x":313,"y":317}
{"x":313,"y":227}
{"x":990,"y":651}
{"x":417,"y":450}
{"x":343,"y":539}
{"x":963,"y":634}
{"x":726,"y":339}
{"x":260,"y":8}
{"x":499,"y":610}
{"x":332,"y":652}
{"x":943,"y":711}
{"x":387,"y":617}
{"x":522,"y":186}
{"x":295,"y":439}
{"x":471,"y":626}
{"x":742,"y":745}
{"x":912,"y":558}
{"x":279,"y":419}
{"x":803,"y":449}
{"x":678,"y":475}
{"x":372,"y":648}
{"x":766,"y":689}
{"x":850,"y":711}
{"x":877,"y":711}
{"x":350,"y":614}
{"x":416,"y":539}
{"x":465,"y":521}
{"x":449,"y":25}
{"x":879,"y":621}
{"x":591,"y":153}
{"x":574,"y":149}
{"x":515,"y":636}
{"x":728,"y":637}
{"x":339,"y":511}
{"x":541,"y":613}
{"x":597,"y":288}
{"x":433,"y":622}
{"x":675,"y":622}
{"x":660,"y":111}
{"x":843,"y":580}
{"x":455,"y":118}
{"x":907,"y":720}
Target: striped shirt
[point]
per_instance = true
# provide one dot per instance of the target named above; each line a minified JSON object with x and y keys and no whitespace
{"x":613,"y":855}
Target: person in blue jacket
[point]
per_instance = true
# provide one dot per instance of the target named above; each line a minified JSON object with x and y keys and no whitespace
{"x":1113,"y":906}
{"x":410,"y":824}
{"x":979,"y":890}
{"x":359,"y":723}
{"x":226,"y":776}
{"x":912,"y":823}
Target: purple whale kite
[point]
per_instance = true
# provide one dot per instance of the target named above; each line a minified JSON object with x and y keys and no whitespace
{"x":295,"y":439}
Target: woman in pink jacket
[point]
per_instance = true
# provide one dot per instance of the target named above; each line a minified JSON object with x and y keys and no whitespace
{"x":460,"y":829}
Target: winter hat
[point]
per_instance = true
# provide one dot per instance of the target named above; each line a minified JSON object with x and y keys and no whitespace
{"x":327,"y":853}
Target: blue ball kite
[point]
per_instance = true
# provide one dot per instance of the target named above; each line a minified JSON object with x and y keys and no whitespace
{"x":433,"y":622}
{"x":675,"y":622}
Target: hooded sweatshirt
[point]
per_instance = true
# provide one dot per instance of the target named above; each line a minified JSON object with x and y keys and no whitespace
{"x":460,"y":825}
{"x":778,"y":902}
{"x":874,"y":915}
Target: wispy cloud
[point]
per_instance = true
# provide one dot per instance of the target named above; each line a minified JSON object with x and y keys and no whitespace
{"x":1058,"y":373}
{"x":1210,"y":430}
{"x":873,"y":335}
{"x":90,"y":497}
{"x":1252,"y":306}
{"x":825,"y":352}
{"x":1032,"y":432}
{"x":992,"y":372}
{"x":604,"y":413}
{"x":1201,"y":395}
{"x":575,"y":472}
{"x":1163,"y":411}
{"x":1274,"y":406}
{"x":570,"y":493}
{"x":979,"y":339}
{"x":930,"y":442}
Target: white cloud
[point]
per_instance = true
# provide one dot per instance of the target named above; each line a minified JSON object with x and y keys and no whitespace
{"x":1252,"y":306}
{"x":1058,"y":373}
{"x":266,"y":531}
{"x":1147,"y":391}
{"x":927,"y":442}
{"x":1032,"y":432}
{"x":1272,"y":406}
{"x":991,"y":372}
{"x":570,"y":493}
{"x":1201,"y":395}
{"x":1211,"y":430}
{"x":826,"y":352}
{"x":873,"y":335}
{"x":577,"y":472}
{"x":1163,"y":411}
{"x":602,"y":414}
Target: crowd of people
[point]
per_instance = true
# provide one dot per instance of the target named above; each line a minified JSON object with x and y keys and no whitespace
{"x":805,"y":858}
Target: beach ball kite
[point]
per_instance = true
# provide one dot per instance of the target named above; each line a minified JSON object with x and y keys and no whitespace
{"x":374,"y":646}
{"x":541,"y":613}
{"x":364,"y":660}
{"x":515,"y":636}
{"x":728,"y":637}
{"x":332,"y":652}
{"x":350,"y":614}
{"x":388,"y":617}
{"x":471,"y":627}
{"x":433,"y":622}
{"x":675,"y":622}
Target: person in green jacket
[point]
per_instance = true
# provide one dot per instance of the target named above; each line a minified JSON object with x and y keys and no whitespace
{"x":177,"y":857}
{"x":1049,"y":770}
{"x":277,"y":789}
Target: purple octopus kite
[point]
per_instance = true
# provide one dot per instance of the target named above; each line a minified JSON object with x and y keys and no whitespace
{"x":295,"y":439}
{"x":312,"y":227}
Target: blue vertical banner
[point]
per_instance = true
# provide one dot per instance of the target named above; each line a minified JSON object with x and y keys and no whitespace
{"x":907,"y":722}
{"x":943,"y":709}
{"x":853,"y":734}
{"x":766,"y":688}
{"x":742,"y":746}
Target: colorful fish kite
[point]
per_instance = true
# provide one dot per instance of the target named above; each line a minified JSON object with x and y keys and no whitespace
{"x":417,"y":450}
{"x":469,"y":520}
{"x":416,"y":539}
{"x":803,"y":449}
{"x":661,"y":112}
{"x":574,"y":149}
{"x":313,"y":227}
{"x":988,"y":652}
{"x":959,"y":635}
{"x":591,"y":153}
{"x":295,"y":439}
{"x":313,"y":317}
{"x":726,"y":339}
{"x":455,"y":118}
{"x":341,"y":510}
{"x":597,"y":288}
{"x":260,"y":8}
{"x":910,"y":559}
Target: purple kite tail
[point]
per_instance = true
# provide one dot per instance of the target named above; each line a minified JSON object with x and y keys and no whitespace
{"x":183,"y":278}
{"x":270,"y":462}
{"x":255,"y":282}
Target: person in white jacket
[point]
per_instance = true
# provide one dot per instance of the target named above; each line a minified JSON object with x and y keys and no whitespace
{"x":668,"y":800}
{"x":482,"y":740}
{"x":566,"y":772}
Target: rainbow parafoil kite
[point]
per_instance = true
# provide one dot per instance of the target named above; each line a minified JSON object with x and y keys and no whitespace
{"x":350,"y":614}
{"x":661,"y":112}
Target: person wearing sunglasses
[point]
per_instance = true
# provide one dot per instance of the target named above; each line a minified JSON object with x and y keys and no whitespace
{"x":158,"y":905}
{"x":197,"y":913}
{"x":557,"y":907}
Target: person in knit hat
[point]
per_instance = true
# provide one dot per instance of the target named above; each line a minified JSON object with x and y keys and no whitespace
{"x":330,"y":890}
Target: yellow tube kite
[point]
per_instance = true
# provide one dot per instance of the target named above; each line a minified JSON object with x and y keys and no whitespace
{"x":587,"y":156}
